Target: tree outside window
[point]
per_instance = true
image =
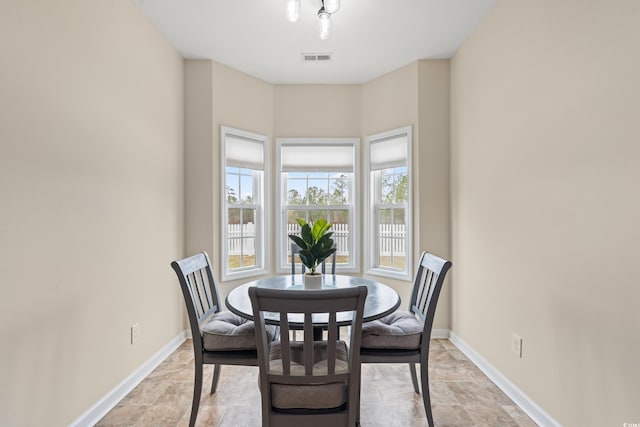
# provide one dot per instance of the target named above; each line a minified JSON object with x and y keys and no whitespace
{"x":316,"y":195}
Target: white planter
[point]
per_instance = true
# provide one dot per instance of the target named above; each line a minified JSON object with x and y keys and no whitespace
{"x":312,"y":281}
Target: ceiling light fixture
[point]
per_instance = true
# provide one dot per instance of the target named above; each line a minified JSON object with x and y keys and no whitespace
{"x":324,"y":23}
{"x":292,"y":11}
{"x":332,"y":6}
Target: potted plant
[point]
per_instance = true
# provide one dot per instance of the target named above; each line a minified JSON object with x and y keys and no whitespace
{"x":315,"y":245}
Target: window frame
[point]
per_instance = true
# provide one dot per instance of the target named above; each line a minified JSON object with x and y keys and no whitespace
{"x":372,"y":241}
{"x":260,"y":186}
{"x":283,"y":264}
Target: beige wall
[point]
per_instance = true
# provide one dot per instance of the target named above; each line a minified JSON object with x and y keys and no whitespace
{"x":418,"y":95}
{"x":216,"y":95}
{"x":431,"y":165}
{"x":317,"y":111}
{"x":199,"y":133}
{"x":391,"y":101}
{"x":91,"y":165}
{"x":545,"y":159}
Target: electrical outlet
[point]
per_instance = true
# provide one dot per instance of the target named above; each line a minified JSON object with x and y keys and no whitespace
{"x":516,"y":345}
{"x":135,"y":333}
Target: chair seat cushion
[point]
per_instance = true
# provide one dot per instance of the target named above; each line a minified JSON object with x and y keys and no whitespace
{"x":313,"y":396}
{"x":399,"y":330}
{"x":226,"y":331}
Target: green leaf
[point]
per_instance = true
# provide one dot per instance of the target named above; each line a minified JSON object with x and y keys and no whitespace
{"x":306,"y":235}
{"x":326,"y":238}
{"x":307,"y":259}
{"x":319,"y":228}
{"x":297,"y":240}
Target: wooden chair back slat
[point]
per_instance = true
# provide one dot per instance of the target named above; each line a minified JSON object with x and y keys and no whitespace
{"x":308,"y":344}
{"x":196,"y":279}
{"x":207,"y":289}
{"x":303,"y":307}
{"x":285,"y":348}
{"x":425,"y":284}
{"x":332,"y":338}
{"x":196,"y":286}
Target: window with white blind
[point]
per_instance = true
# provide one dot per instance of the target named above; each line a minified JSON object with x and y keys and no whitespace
{"x":317,"y":180}
{"x":389,"y":202}
{"x":243,"y":217}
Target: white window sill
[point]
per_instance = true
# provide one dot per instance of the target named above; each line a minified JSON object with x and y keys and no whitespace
{"x":391,"y":274}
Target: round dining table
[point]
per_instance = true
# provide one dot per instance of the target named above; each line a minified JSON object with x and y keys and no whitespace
{"x":381,"y":300}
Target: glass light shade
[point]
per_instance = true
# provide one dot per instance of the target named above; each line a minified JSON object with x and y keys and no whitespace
{"x":324,"y":24}
{"x":292,"y":9}
{"x":332,"y":6}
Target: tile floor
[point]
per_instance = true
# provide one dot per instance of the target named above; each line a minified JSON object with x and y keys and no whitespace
{"x":461,"y":395}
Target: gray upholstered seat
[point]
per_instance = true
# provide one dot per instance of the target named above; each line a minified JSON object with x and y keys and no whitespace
{"x":320,"y":396}
{"x":226,"y":331}
{"x":399,"y":330}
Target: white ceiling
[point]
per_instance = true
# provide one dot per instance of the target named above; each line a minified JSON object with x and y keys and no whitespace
{"x":369,"y":37}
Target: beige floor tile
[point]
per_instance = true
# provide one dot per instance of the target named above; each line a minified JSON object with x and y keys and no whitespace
{"x":451,"y":416}
{"x":242,"y":416}
{"x":161,"y":415}
{"x":519,"y":416}
{"x":441,"y":393}
{"x":490,"y":416}
{"x":207,"y":416}
{"x":123,"y":415}
{"x":146,"y":393}
{"x":461,"y":395}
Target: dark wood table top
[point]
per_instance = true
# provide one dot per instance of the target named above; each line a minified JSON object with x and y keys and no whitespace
{"x":381,"y":301}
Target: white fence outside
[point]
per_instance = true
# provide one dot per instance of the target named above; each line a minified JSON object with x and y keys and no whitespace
{"x":340,"y":236}
{"x":239,"y":232}
{"x":392,"y":238}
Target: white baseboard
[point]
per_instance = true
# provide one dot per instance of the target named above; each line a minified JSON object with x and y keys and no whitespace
{"x":111,"y":399}
{"x":440,"y":333}
{"x":535,"y":412}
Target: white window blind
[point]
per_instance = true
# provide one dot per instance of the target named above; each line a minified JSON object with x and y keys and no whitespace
{"x":244,"y":152}
{"x":389,"y":152}
{"x":317,"y":158}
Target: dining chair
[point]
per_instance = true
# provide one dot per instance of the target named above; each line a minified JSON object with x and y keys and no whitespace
{"x":294,"y":251}
{"x":310,"y":383}
{"x":403,"y":336}
{"x":219,"y":337}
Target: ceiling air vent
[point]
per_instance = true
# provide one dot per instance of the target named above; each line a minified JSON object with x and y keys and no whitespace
{"x":316,"y":57}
